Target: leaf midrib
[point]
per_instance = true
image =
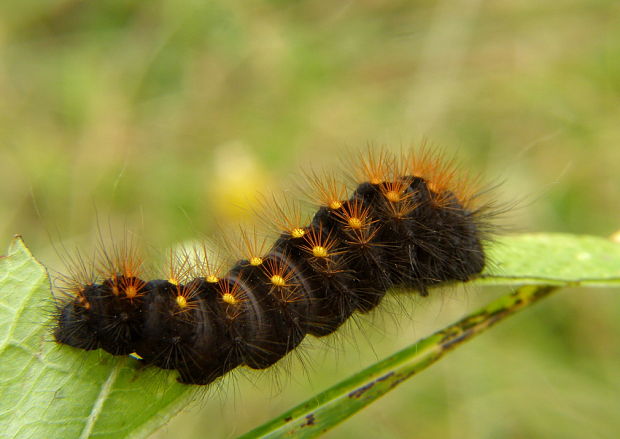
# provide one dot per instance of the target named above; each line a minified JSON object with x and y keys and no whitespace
{"x":100,"y":401}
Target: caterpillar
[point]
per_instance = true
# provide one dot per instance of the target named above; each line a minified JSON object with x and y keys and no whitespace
{"x":412,"y":221}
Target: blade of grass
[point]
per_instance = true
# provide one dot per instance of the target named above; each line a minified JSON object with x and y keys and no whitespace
{"x":327,"y":409}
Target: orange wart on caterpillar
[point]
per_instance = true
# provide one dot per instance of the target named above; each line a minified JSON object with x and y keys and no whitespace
{"x":412,"y":221}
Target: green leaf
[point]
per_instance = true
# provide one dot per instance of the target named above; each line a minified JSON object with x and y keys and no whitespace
{"x":58,"y":392}
{"x":48,"y":390}
{"x":552,"y":259}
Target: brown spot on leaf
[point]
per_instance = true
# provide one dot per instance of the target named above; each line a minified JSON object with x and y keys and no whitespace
{"x":357,"y":393}
{"x":309,"y":420}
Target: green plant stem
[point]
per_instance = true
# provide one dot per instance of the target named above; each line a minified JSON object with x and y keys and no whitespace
{"x":327,"y":409}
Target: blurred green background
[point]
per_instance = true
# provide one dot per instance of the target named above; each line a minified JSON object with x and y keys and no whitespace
{"x":167,"y":117}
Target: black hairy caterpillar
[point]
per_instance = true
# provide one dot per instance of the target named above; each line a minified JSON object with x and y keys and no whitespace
{"x":412,"y":222}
